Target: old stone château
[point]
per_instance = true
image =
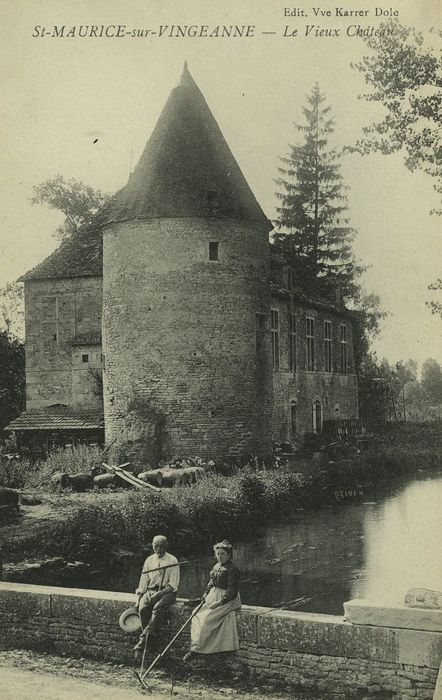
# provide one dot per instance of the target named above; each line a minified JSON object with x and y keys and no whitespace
{"x":172,"y":323}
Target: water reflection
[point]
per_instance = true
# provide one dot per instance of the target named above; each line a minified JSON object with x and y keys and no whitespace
{"x":402,"y":548}
{"x":375,"y":549}
{"x":377,"y":545}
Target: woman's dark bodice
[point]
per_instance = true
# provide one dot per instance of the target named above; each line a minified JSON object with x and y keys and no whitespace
{"x":225,"y":576}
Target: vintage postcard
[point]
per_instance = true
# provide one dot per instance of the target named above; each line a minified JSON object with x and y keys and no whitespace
{"x":223,"y":221}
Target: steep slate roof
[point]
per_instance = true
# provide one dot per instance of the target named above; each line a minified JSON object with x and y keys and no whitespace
{"x":81,"y":255}
{"x":187,"y":169}
{"x":57,"y":417}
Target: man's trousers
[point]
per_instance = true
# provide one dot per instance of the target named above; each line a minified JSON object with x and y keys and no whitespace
{"x":153,"y":614}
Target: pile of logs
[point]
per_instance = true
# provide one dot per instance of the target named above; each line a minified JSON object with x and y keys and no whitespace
{"x":181,"y":471}
{"x":167,"y":476}
{"x":178,"y":472}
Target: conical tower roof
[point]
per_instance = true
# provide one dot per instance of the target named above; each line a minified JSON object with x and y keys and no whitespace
{"x":187,"y":169}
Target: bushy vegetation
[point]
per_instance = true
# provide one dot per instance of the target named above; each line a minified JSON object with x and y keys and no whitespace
{"x":225,"y":506}
{"x":20,"y":473}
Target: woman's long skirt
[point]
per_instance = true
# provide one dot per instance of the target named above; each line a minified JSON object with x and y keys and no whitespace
{"x":215,"y":630}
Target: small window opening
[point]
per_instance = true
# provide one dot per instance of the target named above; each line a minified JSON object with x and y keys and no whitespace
{"x":212,"y":198}
{"x":213,"y":250}
{"x":85,"y":358}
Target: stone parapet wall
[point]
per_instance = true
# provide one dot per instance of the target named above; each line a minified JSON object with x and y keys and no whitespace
{"x":322,"y":653}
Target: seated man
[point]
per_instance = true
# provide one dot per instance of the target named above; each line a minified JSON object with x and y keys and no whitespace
{"x":156,"y":591}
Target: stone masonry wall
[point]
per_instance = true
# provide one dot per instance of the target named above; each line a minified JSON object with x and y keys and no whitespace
{"x":58,"y":311}
{"x":179,"y":333}
{"x":87,"y":389}
{"x":322,"y":653}
{"x":337,"y":392}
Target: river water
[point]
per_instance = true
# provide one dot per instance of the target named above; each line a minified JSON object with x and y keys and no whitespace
{"x":371,"y":543}
{"x":366,"y":545}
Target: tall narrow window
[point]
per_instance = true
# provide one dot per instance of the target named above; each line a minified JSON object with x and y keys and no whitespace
{"x":213,"y":250}
{"x":310,"y":334}
{"x":317,"y":417}
{"x":274,"y":327}
{"x":293,"y":418}
{"x":343,"y":338}
{"x":328,"y":346}
{"x":292,"y":341}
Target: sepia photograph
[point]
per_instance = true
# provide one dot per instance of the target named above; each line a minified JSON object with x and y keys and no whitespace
{"x":221,"y":350}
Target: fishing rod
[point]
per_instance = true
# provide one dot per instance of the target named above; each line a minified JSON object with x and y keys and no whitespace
{"x":168,"y":566}
{"x":144,"y":673}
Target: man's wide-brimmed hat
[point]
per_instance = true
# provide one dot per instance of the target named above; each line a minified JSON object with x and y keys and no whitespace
{"x":130,"y":620}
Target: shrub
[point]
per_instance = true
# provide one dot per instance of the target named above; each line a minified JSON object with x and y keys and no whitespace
{"x":67,"y":460}
{"x":14,"y":472}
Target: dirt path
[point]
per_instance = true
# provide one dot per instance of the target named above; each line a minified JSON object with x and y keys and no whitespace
{"x":25,"y":675}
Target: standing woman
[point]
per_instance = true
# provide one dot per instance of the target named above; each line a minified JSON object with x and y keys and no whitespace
{"x":214,"y":626}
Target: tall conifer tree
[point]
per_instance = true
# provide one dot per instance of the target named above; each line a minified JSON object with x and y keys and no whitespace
{"x":313,"y":226}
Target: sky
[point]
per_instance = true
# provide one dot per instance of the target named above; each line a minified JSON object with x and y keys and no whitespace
{"x":84,"y":107}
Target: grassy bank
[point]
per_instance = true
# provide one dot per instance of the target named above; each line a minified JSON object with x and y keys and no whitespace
{"x":231,"y":506}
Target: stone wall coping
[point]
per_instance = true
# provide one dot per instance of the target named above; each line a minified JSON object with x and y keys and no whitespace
{"x":381,"y":614}
{"x":307,"y":650}
{"x":275,"y":614}
{"x":272,"y":630}
{"x":90,"y":594}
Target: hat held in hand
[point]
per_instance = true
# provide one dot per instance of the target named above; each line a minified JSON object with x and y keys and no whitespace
{"x":129,"y":620}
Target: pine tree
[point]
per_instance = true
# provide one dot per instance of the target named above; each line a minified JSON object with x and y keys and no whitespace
{"x":312,"y":225}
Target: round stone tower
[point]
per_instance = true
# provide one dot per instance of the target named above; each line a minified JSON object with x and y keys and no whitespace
{"x":186,"y":296}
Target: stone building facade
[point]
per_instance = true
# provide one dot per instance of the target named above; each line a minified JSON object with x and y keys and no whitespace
{"x":177,"y":304}
{"x":314,"y":377}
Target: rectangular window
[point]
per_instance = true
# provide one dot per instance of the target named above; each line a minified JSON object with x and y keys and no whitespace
{"x":274,"y":327}
{"x":343,"y":339}
{"x":85,"y":358}
{"x":213,"y":250}
{"x":328,"y":358}
{"x":293,"y":418}
{"x":292,"y":341}
{"x":310,"y":334}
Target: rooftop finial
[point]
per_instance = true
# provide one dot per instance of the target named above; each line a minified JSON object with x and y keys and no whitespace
{"x":185,"y":75}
